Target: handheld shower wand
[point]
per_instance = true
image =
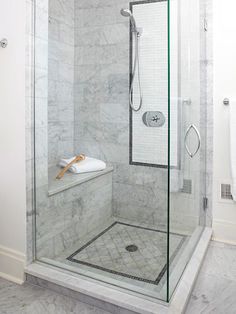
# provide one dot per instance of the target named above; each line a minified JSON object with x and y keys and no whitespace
{"x":136,"y":65}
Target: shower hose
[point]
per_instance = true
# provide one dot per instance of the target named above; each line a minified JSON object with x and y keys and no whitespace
{"x":136,"y":68}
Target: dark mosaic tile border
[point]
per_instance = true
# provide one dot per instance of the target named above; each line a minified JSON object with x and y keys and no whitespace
{"x":159,"y":277}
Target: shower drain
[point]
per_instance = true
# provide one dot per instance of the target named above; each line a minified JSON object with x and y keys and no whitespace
{"x":131,"y":248}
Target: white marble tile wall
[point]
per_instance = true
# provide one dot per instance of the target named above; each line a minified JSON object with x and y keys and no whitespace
{"x":60,"y":80}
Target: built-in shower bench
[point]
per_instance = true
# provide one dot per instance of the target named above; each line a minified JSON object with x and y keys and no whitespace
{"x":73,"y":207}
{"x":70,"y":180}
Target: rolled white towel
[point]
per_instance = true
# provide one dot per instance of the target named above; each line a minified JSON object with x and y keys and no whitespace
{"x":87,"y":165}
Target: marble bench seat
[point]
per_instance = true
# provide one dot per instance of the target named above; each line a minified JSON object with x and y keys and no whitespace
{"x":70,"y":180}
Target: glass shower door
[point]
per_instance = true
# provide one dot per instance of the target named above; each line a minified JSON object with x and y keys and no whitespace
{"x":187,"y":131}
{"x":109,"y":226}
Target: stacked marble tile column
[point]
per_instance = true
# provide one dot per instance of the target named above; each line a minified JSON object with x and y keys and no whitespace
{"x":41,"y":110}
{"x":36,"y":105}
{"x":60,"y":80}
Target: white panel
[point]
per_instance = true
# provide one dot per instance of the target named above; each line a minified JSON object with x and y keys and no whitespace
{"x":150,"y":144}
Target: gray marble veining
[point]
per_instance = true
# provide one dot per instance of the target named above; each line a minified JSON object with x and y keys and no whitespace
{"x":28,"y":299}
{"x":60,"y":80}
{"x":215,"y":288}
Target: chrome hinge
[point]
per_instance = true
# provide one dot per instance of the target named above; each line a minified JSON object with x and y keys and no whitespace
{"x":205,"y":203}
{"x":205,"y":25}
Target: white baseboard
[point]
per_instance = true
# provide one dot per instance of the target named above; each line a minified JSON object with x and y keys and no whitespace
{"x":224,"y":231}
{"x":12,"y":264}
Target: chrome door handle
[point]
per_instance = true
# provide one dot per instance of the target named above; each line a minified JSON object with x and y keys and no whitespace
{"x":192,"y":126}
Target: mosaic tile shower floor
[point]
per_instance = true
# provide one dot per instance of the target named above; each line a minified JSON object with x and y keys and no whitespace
{"x":147,"y":262}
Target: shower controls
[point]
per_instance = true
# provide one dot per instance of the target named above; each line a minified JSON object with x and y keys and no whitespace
{"x":4,"y":43}
{"x":154,"y":119}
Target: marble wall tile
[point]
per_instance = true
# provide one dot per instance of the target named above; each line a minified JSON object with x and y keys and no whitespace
{"x":41,"y":83}
{"x":61,"y":51}
{"x":41,"y":22}
{"x":61,"y":80}
{"x":41,"y":57}
{"x":102,"y":35}
{"x":63,"y":10}
{"x":41,"y":113}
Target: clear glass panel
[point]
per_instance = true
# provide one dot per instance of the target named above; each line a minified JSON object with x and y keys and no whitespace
{"x":187,"y":133}
{"x":107,"y":224}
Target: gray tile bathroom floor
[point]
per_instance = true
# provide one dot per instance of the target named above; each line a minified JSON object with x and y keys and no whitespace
{"x":29,"y":299}
{"x":214,"y":292}
{"x":215,"y":289}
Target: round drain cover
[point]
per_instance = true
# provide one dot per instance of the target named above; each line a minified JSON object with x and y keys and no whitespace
{"x":131,"y":248}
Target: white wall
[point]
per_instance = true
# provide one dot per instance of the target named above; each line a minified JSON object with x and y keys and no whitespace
{"x":224,"y":213}
{"x":12,"y":140}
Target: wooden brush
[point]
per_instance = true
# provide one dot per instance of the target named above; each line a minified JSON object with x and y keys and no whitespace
{"x":63,"y":171}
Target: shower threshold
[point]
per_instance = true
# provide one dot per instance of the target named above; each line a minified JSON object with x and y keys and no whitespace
{"x":111,"y":297}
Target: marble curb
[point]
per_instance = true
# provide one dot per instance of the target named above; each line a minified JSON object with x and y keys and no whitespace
{"x":121,"y":299}
{"x":185,"y":286}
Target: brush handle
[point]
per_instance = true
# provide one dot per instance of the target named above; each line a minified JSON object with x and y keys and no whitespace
{"x":63,"y":171}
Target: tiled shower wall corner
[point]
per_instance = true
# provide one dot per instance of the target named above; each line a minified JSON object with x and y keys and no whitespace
{"x":102,"y":110}
{"x":60,"y":81}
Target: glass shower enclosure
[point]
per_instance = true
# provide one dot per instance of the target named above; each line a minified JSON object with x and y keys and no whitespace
{"x":121,"y":85}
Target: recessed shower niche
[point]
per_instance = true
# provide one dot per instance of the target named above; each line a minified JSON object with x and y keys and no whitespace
{"x":112,"y":80}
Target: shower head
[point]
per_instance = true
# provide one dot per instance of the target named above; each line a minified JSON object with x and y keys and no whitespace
{"x":128,"y":13}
